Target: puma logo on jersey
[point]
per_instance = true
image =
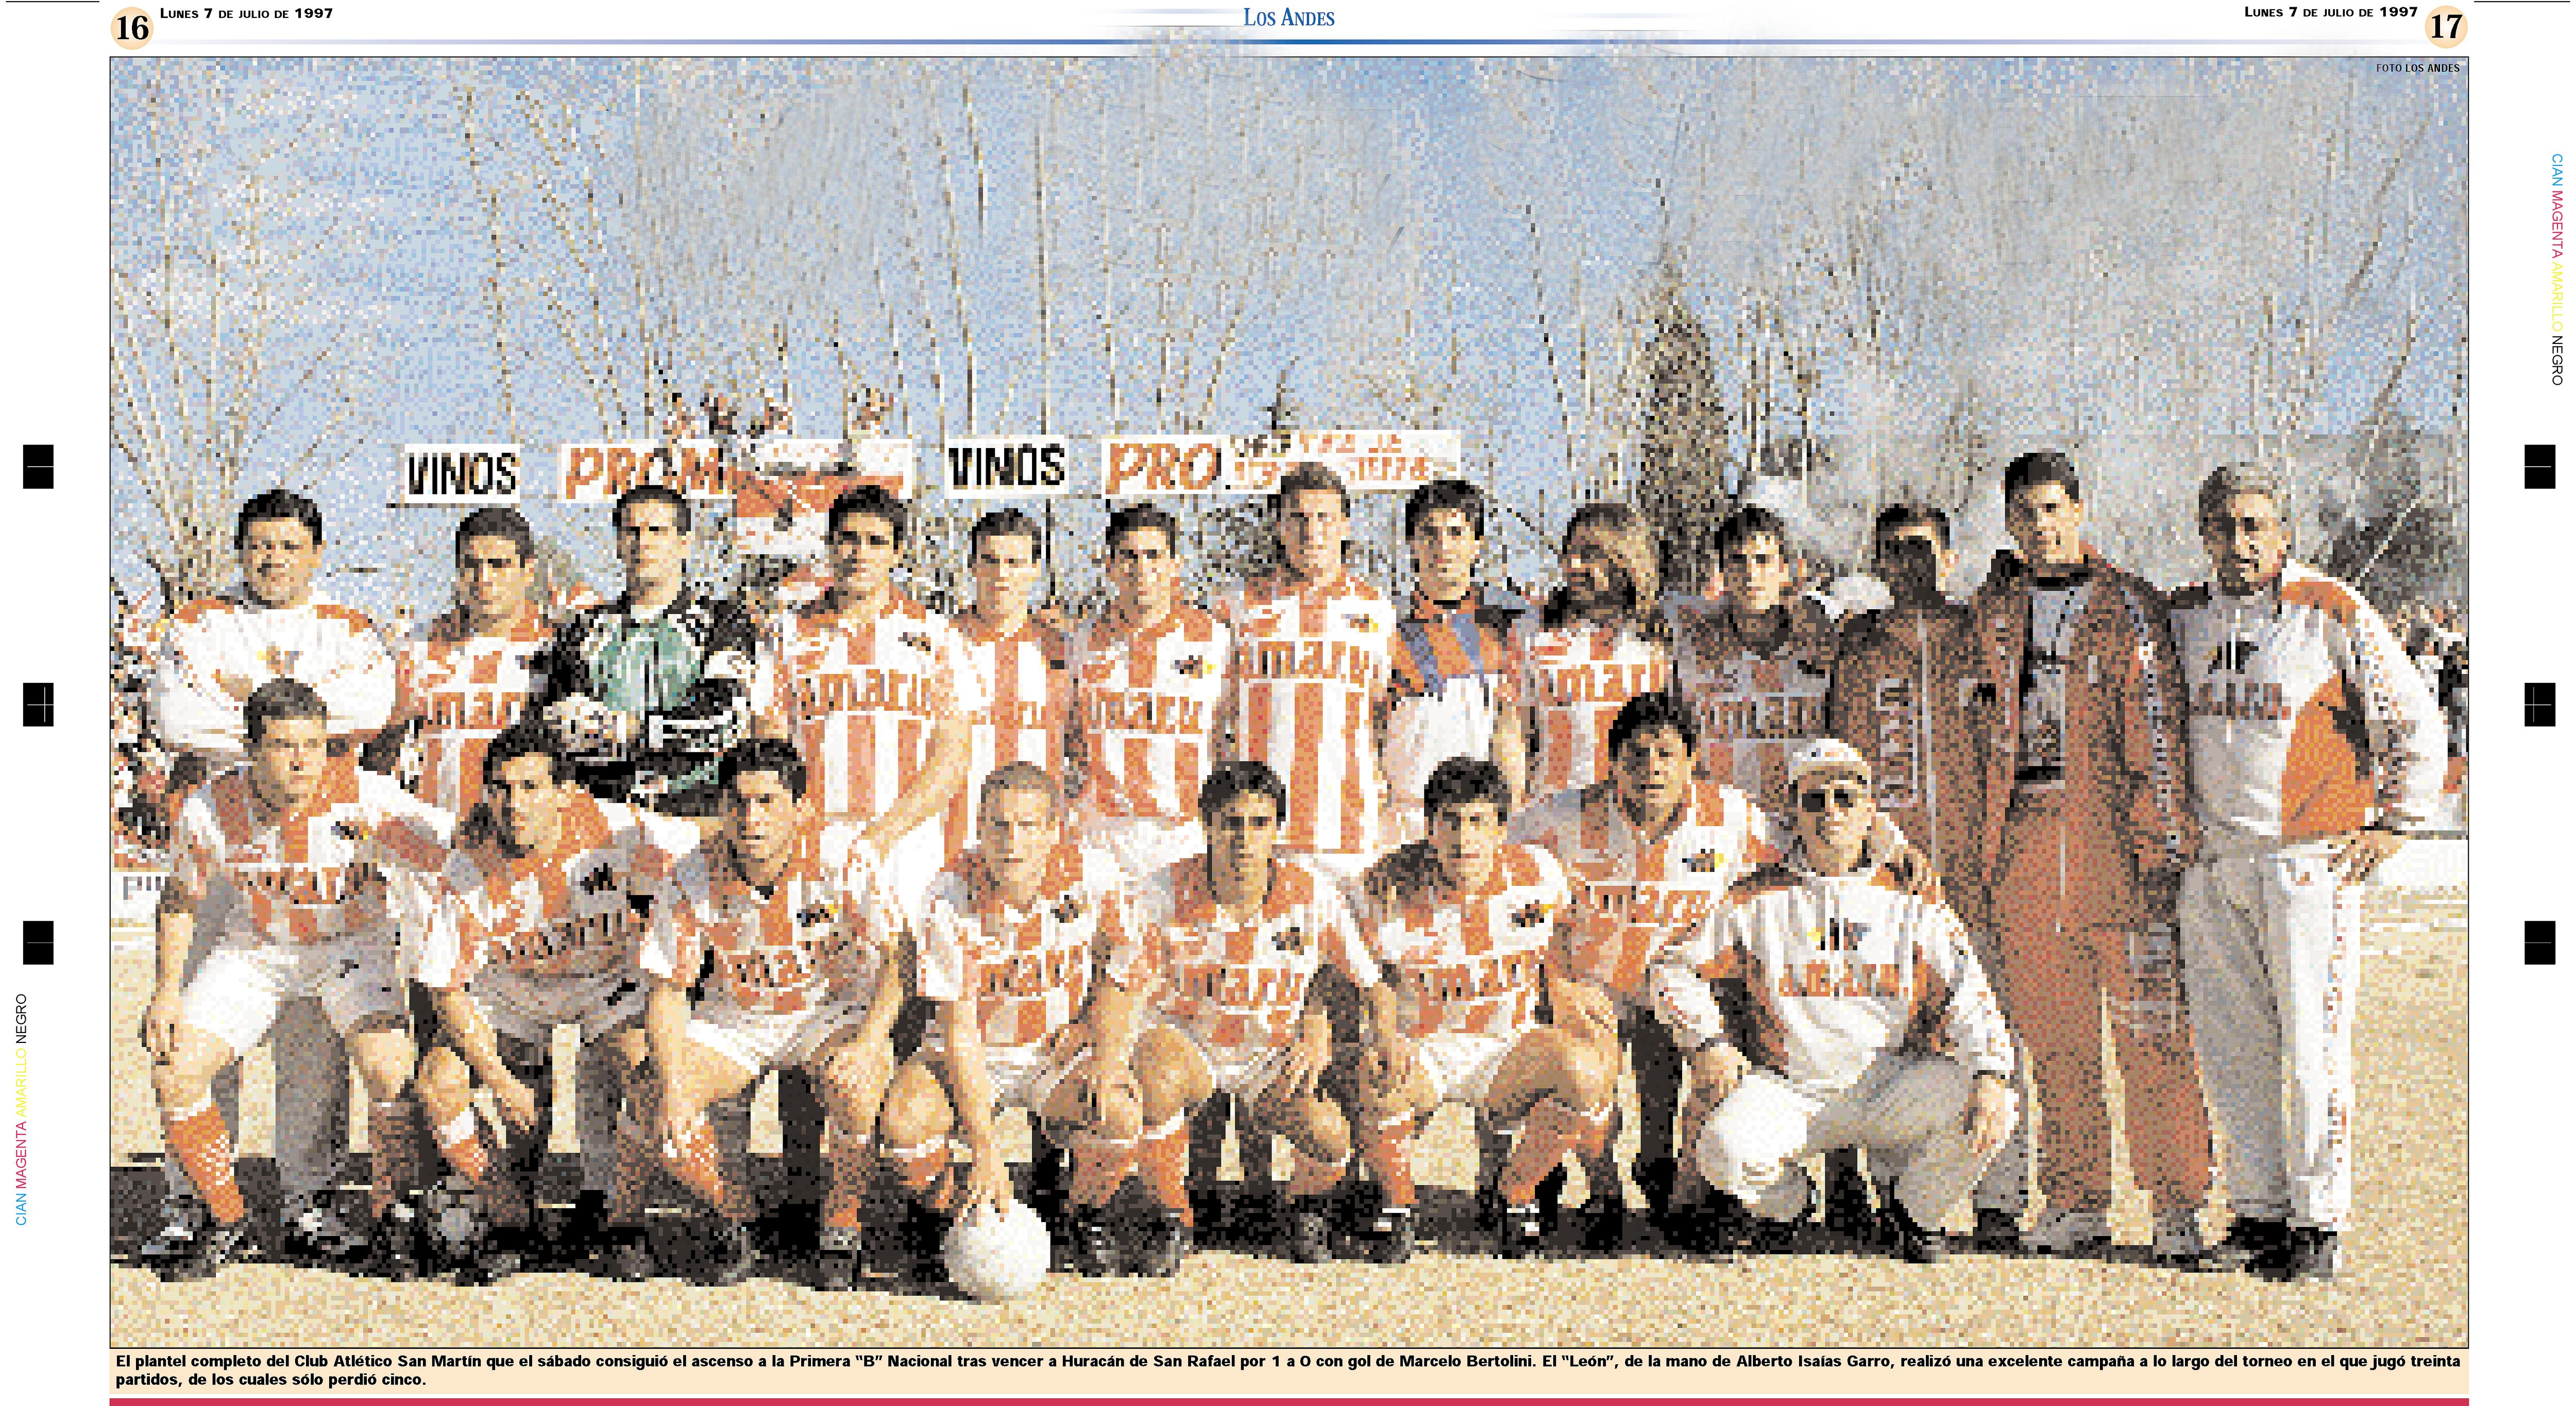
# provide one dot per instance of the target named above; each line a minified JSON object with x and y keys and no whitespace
{"x":1070,"y":910}
{"x":816,"y":916}
{"x":1534,"y":915}
{"x":1359,"y":622}
{"x":1291,"y":940}
{"x":1704,"y":862}
{"x":354,"y":831}
{"x":914,"y":639}
{"x":1191,"y":666}
{"x":599,"y":880}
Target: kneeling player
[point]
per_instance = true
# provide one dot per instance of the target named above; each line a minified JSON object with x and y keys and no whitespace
{"x":538,"y":926}
{"x":802,"y":939}
{"x":1236,"y":937}
{"x":1011,"y":938}
{"x":1463,"y":928}
{"x":300,"y":842}
{"x":1869,"y":1025}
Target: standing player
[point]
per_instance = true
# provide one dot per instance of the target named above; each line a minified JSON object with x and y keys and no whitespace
{"x":1596,"y":645}
{"x":2315,"y":751}
{"x":647,"y":691}
{"x":1020,"y":663}
{"x":1009,"y":952}
{"x":1233,"y":941}
{"x":1755,"y":663}
{"x":474,"y":670}
{"x":213,"y":654}
{"x":539,"y":925}
{"x":1868,"y":1024}
{"x":878,"y":694}
{"x":1462,"y":929}
{"x":2089,"y":842}
{"x":1150,"y":678}
{"x":799,"y":939}
{"x":1310,"y":675}
{"x":1911,"y":692}
{"x":1648,"y":853}
{"x":1452,"y":655}
{"x":297,"y":843}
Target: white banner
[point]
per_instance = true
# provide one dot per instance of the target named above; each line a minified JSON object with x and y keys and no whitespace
{"x":598,"y":472}
{"x":1006,"y":466}
{"x":456,"y":475}
{"x":1367,"y":460}
{"x":1147,"y":466}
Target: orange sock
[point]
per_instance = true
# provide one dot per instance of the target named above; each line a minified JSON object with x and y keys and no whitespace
{"x":204,"y":1148}
{"x":393,"y":1132}
{"x":468,"y":1148}
{"x":1552,"y":1130}
{"x":1387,"y":1148}
{"x":852,"y":1160}
{"x":1163,"y":1160}
{"x":699,"y":1164}
{"x":1313,"y":1176}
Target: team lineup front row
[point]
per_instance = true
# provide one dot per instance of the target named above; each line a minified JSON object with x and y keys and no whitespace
{"x":2000,"y":822}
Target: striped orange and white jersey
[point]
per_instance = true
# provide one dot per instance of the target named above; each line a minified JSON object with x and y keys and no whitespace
{"x":1029,"y":970}
{"x":1239,"y":987}
{"x":1633,"y":896}
{"x":318,"y":874}
{"x":1837,"y":971}
{"x":1310,"y":668}
{"x":1756,"y":705}
{"x":577,"y":909}
{"x":1476,"y":965}
{"x":863,"y":697}
{"x":1030,"y":687}
{"x":461,"y":690}
{"x":217,"y":649}
{"x":823,"y":933}
{"x":1574,"y":678}
{"x":1146,"y":704}
{"x":2306,"y":717}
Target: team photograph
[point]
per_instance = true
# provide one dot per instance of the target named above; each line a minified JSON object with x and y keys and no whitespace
{"x":1195,"y":698}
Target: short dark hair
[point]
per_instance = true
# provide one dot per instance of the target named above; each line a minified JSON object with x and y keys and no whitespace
{"x":871,"y":500}
{"x":1143,"y":517}
{"x":278,"y":700}
{"x":508,"y":524}
{"x":1463,"y":781}
{"x":1658,"y":711}
{"x":277,"y":505}
{"x":775,"y":755}
{"x":1018,"y":776}
{"x":662,"y":493}
{"x":1234,"y":780}
{"x":524,"y":738}
{"x":2043,"y":466}
{"x":1896,"y":517}
{"x":1748,"y":522}
{"x":1006,"y":522}
{"x":1308,"y":478}
{"x":1445,"y":494}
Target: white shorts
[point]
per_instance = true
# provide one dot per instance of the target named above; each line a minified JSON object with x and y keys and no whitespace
{"x":759,"y":1041}
{"x":528,"y":1008}
{"x":237,"y":991}
{"x":1462,"y":1067}
{"x":1139,"y":845}
{"x":1022,"y":1078}
{"x":1243,"y":1077}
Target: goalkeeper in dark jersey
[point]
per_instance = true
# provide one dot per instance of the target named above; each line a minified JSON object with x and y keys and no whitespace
{"x":647,"y":691}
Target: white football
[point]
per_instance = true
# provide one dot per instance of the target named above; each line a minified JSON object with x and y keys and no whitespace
{"x":997,"y":1255}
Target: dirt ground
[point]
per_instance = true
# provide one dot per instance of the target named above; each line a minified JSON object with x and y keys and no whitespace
{"x":2406,"y":1279}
